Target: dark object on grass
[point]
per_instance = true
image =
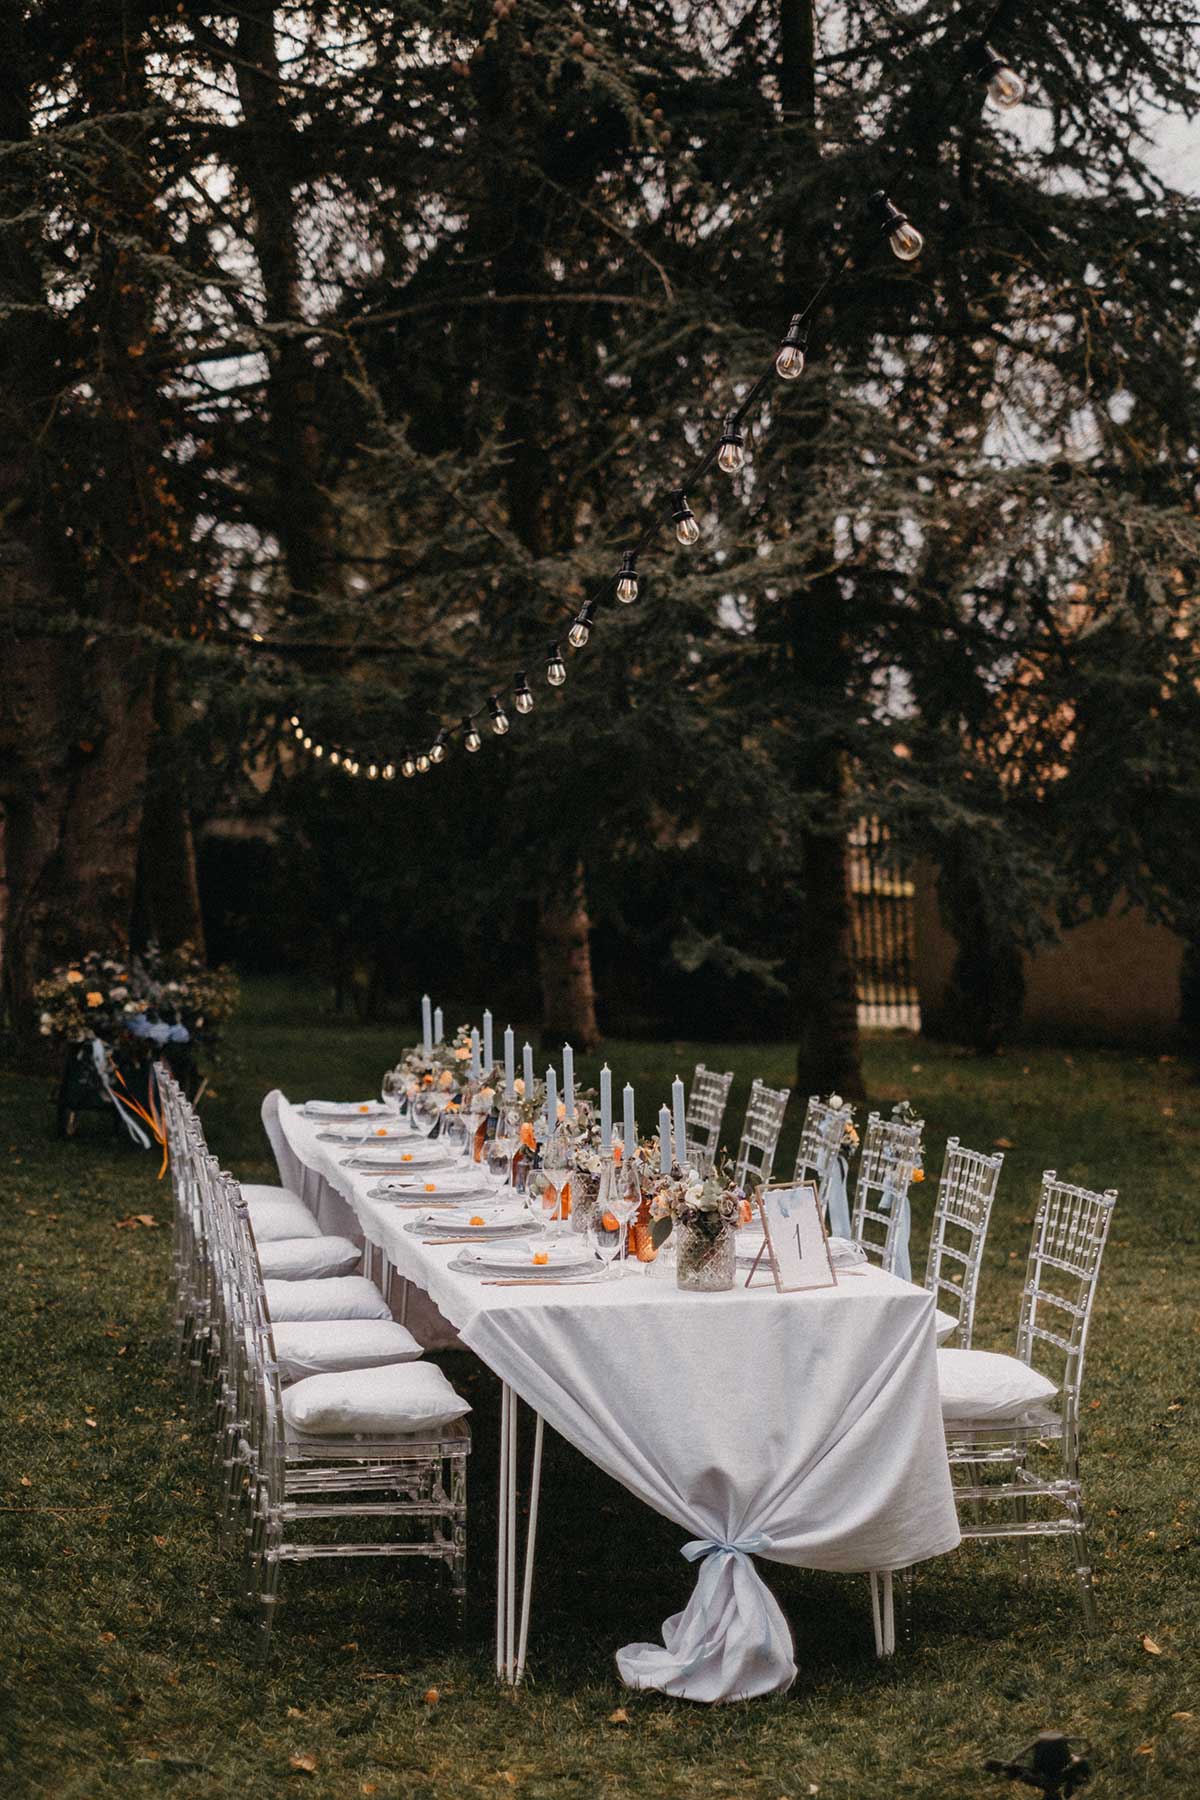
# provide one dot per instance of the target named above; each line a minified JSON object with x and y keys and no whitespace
{"x":1049,"y":1763}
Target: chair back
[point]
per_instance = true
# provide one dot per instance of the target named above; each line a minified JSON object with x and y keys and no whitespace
{"x":1069,"y":1234}
{"x":704,"y":1116}
{"x":966,"y":1191}
{"x":821,"y":1138}
{"x":291,"y":1169}
{"x":760,"y":1131}
{"x":890,"y":1151}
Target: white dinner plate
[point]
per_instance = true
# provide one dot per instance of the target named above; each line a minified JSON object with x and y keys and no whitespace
{"x":439,"y":1185}
{"x":518,"y":1259}
{"x":347,"y":1109}
{"x":413,"y":1153}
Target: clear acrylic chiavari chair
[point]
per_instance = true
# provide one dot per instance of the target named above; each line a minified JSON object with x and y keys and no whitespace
{"x":891,"y":1150}
{"x":760,"y":1132}
{"x":705,"y":1114}
{"x":966,"y":1192}
{"x":1031,"y":1450}
{"x":822,"y":1136}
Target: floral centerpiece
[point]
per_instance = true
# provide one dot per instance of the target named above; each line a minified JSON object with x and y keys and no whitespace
{"x":703,"y":1211}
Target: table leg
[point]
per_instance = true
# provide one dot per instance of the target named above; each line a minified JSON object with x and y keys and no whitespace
{"x":510,"y":1572}
{"x":502,"y":1541}
{"x":535,"y":1489}
{"x":883,"y":1611}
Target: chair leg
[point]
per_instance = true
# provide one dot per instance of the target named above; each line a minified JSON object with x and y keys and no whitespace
{"x":1083,"y":1575}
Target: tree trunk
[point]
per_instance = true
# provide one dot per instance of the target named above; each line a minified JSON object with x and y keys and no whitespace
{"x":167,"y":908}
{"x":825,"y":990}
{"x":565,"y":966}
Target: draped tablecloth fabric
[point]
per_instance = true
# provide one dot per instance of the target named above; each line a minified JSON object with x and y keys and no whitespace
{"x":798,"y":1428}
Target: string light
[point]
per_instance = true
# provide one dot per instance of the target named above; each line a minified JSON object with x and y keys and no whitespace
{"x":437,"y":750}
{"x":422,"y":762}
{"x":408,"y":765}
{"x":318,"y":750}
{"x":581,"y":630}
{"x":293,"y":720}
{"x":904,"y":238}
{"x":372,"y":771}
{"x":732,"y":454}
{"x":1005,"y":87}
{"x":471,"y":738}
{"x":389,"y":771}
{"x":684,"y":519}
{"x":789,"y":364}
{"x":499,"y":716}
{"x":627,"y":582}
{"x":522,"y":693}
{"x":556,"y":668}
{"x":335,"y":757}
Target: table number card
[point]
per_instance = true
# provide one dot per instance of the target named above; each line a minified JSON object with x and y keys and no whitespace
{"x":794,"y":1240}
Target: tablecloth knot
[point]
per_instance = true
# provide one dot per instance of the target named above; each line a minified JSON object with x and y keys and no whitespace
{"x":753,"y":1545}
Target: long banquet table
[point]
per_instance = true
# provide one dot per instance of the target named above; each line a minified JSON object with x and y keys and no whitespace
{"x":800,"y":1428}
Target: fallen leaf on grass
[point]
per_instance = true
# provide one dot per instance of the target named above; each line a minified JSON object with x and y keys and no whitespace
{"x":146,"y":1219}
{"x":1150,"y":1647}
{"x":1145,"y":1749}
{"x":620,"y":1717}
{"x":1002,"y":1144}
{"x":1181,"y":1715}
{"x":368,"y":1787}
{"x":293,"y":1712}
{"x":431,"y":1696}
{"x":303,"y":1765}
{"x":161,"y":1542}
{"x":108,"y":1637}
{"x":25,"y":1481}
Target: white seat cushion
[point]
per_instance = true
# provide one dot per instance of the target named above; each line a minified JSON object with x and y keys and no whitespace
{"x":276,"y":1212}
{"x":322,"y":1346}
{"x":411,"y":1397}
{"x":944,"y":1324}
{"x":337,"y":1297}
{"x":983,"y":1385}
{"x":306,"y":1258}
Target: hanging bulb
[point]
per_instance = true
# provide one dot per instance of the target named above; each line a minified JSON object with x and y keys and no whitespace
{"x":627,"y":583}
{"x":789,"y":364}
{"x":904,"y":238}
{"x":408,"y":767}
{"x":437,"y":750}
{"x":352,"y":768}
{"x":556,"y":668}
{"x":686,"y":528}
{"x":1005,"y":87}
{"x":732,"y":454}
{"x":522,"y":693}
{"x":422,"y":762}
{"x":318,"y":749}
{"x":293,"y":720}
{"x":308,"y":743}
{"x":372,"y":771}
{"x":581,"y":629}
{"x":335,"y":757}
{"x":499,"y":716}
{"x":471,"y":738}
{"x":299,"y":731}
{"x":388,"y":771}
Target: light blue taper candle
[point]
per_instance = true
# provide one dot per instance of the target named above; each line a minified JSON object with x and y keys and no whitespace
{"x":664,"y":1141}
{"x":488,"y":1046}
{"x":606,"y":1108}
{"x":680,"y":1127}
{"x":569,"y":1079}
{"x":475,"y":1069}
{"x":551,"y":1102}
{"x":627,"y":1097}
{"x":426,"y":1023}
{"x":510,"y":1067}
{"x":527,"y":1070}
{"x":438,"y":1026}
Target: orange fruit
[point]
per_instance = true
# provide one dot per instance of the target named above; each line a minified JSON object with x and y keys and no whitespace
{"x":365,"y":1108}
{"x":406,"y":1156}
{"x":476,"y":1220}
{"x":431,"y":1187}
{"x":541,"y":1256}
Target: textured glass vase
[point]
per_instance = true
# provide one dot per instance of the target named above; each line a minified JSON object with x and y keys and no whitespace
{"x":704,"y":1264}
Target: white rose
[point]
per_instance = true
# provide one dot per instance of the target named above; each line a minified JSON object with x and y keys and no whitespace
{"x":835,"y":1100}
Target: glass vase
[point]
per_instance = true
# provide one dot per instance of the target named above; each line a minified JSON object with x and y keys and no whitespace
{"x":704,"y":1264}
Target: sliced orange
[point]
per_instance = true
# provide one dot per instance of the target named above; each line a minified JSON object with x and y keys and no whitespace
{"x":431,"y":1187}
{"x":477,"y":1220}
{"x":406,"y":1156}
{"x":365,"y":1108}
{"x":541,"y":1256}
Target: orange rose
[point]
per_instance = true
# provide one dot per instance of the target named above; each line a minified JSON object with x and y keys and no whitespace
{"x":462,"y":1053}
{"x":73,"y":975}
{"x":618,"y":1150}
{"x":918,"y":1174}
{"x":95,"y":999}
{"x":528,"y":1136}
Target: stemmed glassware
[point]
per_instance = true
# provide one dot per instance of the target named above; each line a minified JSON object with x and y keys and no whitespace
{"x":605,"y":1236}
{"x":621,"y":1199}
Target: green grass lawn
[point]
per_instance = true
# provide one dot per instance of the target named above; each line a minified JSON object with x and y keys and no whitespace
{"x":130,"y":1659}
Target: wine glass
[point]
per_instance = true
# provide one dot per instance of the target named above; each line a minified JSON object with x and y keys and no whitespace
{"x":622,"y":1199}
{"x":497,"y":1157}
{"x":605,"y":1236}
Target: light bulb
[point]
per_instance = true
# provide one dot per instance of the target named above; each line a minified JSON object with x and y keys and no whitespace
{"x":522,"y":693}
{"x":318,"y":749}
{"x":353,"y":767}
{"x":408,"y":767}
{"x":422,"y":762}
{"x":556,"y":668}
{"x":388,"y":771}
{"x":437,"y":750}
{"x":686,"y":528}
{"x":299,"y":731}
{"x":789,"y":364}
{"x":627,"y":584}
{"x":906,"y":242}
{"x":335,"y":757}
{"x":1006,"y":88}
{"x":471,"y":738}
{"x":732,"y":454}
{"x":308,"y":743}
{"x":293,"y":720}
{"x":499,"y":716}
{"x":581,"y":629}
{"x":372,"y":771}
{"x":904,"y":238}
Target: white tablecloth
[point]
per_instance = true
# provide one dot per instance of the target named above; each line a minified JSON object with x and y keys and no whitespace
{"x":801,"y":1428}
